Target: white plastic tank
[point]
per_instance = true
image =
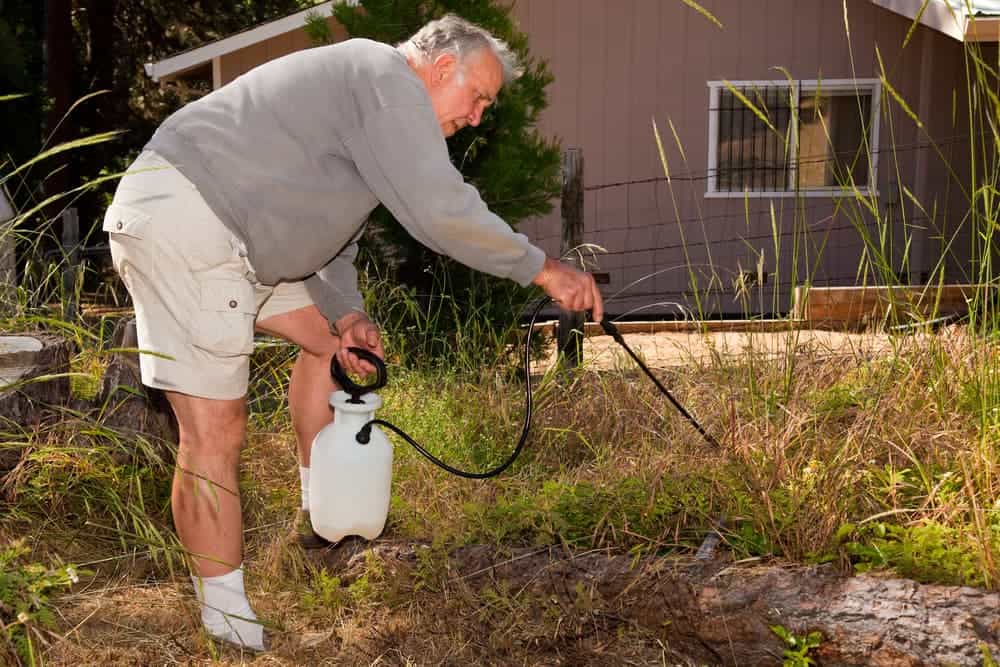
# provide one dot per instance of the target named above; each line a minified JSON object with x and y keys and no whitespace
{"x":349,"y":482}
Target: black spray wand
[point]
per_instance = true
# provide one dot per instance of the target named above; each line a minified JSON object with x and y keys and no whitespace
{"x":612,"y":331}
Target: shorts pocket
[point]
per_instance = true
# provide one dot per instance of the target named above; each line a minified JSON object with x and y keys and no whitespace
{"x":125,"y":220}
{"x":225,"y":320}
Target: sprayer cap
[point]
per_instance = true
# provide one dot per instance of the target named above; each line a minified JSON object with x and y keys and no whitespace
{"x":341,"y":400}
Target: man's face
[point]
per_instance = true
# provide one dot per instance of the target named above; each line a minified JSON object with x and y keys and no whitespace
{"x":460,"y":92}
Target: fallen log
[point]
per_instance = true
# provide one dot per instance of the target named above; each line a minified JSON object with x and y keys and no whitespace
{"x":719,"y":613}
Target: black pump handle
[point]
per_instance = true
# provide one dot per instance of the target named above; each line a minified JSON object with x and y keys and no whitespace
{"x":347,"y":384}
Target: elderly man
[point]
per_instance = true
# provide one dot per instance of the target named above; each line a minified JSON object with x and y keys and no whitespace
{"x":242,"y":213}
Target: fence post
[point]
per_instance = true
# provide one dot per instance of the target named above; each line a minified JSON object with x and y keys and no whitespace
{"x":570,"y":331}
{"x":71,"y":255}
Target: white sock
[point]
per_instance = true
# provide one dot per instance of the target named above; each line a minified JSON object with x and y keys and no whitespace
{"x":304,"y":478}
{"x":226,"y":612}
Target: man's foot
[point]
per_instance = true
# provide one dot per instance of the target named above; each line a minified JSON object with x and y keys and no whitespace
{"x":240,"y":631}
{"x":305,"y":535}
{"x":231,"y":641}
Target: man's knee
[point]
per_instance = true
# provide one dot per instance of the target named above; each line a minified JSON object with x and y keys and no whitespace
{"x":210,"y":426}
{"x":306,"y":327}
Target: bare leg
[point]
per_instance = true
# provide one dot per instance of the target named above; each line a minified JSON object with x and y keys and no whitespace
{"x":207,"y":513}
{"x":311,"y":384}
{"x":205,"y":499}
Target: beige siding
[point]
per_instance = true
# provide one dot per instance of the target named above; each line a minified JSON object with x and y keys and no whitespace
{"x":620,"y":65}
{"x":241,"y":61}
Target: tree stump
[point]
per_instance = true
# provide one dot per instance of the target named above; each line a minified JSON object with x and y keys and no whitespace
{"x":32,"y":381}
{"x":129,"y":405}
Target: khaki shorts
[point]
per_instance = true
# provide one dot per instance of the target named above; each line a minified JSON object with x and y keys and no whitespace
{"x":195,"y":294}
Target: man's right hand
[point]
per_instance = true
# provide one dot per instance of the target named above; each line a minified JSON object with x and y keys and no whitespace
{"x":571,"y":288}
{"x":356,"y":330}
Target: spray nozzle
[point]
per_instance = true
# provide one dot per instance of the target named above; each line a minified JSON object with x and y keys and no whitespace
{"x":347,"y":384}
{"x":611,"y":330}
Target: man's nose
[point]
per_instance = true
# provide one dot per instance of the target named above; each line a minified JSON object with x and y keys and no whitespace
{"x":476,"y":116}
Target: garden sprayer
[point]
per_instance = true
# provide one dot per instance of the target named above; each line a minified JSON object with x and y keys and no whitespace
{"x":349,"y":489}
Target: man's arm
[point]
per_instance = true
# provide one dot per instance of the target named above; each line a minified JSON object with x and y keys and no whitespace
{"x":402,"y":156}
{"x":334,"y":288}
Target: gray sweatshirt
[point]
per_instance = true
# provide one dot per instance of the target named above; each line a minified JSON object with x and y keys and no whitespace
{"x":294,"y":155}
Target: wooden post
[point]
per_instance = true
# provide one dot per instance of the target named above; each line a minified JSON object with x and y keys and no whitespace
{"x":8,"y":260}
{"x":570,"y":330}
{"x":71,"y":255}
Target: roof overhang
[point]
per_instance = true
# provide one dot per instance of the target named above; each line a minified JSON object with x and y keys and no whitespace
{"x":951,"y":17}
{"x":200,"y":56}
{"x":935,"y":14}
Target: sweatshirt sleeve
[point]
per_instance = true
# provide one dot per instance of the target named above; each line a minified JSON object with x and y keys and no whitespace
{"x":401,"y":155}
{"x":334,"y":288}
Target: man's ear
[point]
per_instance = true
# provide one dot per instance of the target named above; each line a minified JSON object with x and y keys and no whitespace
{"x":443,"y":68}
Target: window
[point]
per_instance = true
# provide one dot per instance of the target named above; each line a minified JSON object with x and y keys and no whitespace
{"x":780,"y":138}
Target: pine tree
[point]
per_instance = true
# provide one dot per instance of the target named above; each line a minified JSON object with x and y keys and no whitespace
{"x":515,"y":169}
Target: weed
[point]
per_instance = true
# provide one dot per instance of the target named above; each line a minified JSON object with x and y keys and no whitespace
{"x":926,"y":552}
{"x":367,"y":585}
{"x":797,"y":649}
{"x":326,"y":593}
{"x":81,"y":474}
{"x":432,"y":567}
{"x":26,"y":598}
{"x":988,"y":659}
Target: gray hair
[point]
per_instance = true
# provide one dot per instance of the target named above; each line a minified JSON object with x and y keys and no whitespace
{"x":454,"y":35}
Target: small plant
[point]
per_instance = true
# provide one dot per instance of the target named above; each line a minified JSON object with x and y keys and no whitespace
{"x":926,"y":552}
{"x":25,"y":598}
{"x":432,"y":567}
{"x":988,"y":659}
{"x":326,"y":593}
{"x":798,"y":648}
{"x":366,"y":586}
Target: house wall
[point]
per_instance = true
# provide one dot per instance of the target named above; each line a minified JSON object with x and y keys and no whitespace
{"x":621,"y":65}
{"x":243,"y":60}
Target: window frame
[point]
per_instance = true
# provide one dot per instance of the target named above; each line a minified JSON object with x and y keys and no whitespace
{"x":800,"y":87}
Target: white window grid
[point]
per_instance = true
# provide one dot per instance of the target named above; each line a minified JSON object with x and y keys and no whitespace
{"x":799,"y":87}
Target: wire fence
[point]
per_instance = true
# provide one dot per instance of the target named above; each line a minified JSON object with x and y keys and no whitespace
{"x":659,"y":230}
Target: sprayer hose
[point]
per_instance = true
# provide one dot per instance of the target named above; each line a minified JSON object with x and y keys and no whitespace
{"x":525,"y":428}
{"x":365,"y":432}
{"x":707,"y":549}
